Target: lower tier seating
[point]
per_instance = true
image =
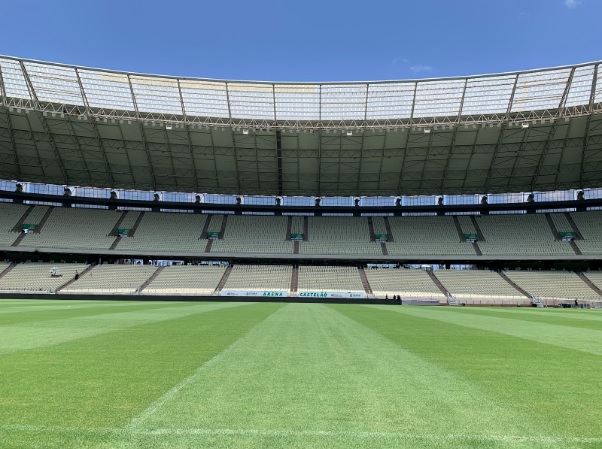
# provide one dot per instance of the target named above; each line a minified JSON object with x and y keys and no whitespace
{"x":112,"y":278}
{"x":186,"y":280}
{"x":36,"y":277}
{"x":329,"y":279}
{"x":409,"y":283}
{"x":260,"y":278}
{"x":552,"y":284}
{"x":476,"y":285}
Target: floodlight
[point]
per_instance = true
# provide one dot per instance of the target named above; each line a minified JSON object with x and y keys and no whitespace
{"x":245,"y":131}
{"x":525,"y":125}
{"x":349,"y":133}
{"x":168,"y":126}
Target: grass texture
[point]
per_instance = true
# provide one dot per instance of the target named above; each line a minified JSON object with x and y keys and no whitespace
{"x":78,"y":374}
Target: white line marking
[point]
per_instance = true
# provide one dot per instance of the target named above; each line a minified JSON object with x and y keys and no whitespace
{"x":128,"y":431}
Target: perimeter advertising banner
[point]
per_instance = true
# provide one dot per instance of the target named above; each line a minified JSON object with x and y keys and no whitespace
{"x":257,"y":293}
{"x":332,"y":295}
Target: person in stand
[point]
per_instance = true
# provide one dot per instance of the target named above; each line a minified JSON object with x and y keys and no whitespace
{"x":76,"y":277}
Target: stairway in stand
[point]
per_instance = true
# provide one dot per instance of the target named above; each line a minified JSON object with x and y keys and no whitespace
{"x":365,"y":282}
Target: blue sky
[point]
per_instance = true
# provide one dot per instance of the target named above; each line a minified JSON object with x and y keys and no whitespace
{"x":310,"y":40}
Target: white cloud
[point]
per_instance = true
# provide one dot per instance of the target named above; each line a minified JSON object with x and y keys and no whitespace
{"x":571,"y":3}
{"x":420,"y":68}
{"x":398,"y":60}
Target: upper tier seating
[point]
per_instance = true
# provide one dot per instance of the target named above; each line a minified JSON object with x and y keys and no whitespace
{"x":131,"y":216}
{"x":9,"y":217}
{"x":329,"y":279}
{"x":297,"y":225}
{"x":590,"y":225}
{"x":74,"y":228}
{"x":339,"y":235}
{"x":561,"y":222}
{"x":169,"y":232}
{"x":379,"y":225}
{"x":37,"y":213}
{"x":552,"y":284}
{"x":526,"y":234}
{"x":109,"y":278}
{"x":254,"y":234}
{"x":478,"y":285}
{"x":186,"y":280}
{"x":467,"y":225}
{"x":260,"y":278}
{"x":409,"y":283}
{"x":36,"y":277}
{"x":503,"y":235}
{"x":426,"y":235}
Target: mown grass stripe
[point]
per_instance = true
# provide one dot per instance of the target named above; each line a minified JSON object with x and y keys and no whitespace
{"x":585,"y":340}
{"x":579,"y":314}
{"x":554,"y":319}
{"x":25,"y":337}
{"x":107,"y":379}
{"x":40,"y":316}
{"x":37,"y":306}
{"x":553,"y":385}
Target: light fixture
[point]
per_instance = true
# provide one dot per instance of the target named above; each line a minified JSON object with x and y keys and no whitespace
{"x":245,"y":131}
{"x":349,"y":133}
{"x":168,"y":126}
{"x":525,"y":125}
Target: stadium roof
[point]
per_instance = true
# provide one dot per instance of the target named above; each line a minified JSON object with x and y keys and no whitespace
{"x":526,"y":131}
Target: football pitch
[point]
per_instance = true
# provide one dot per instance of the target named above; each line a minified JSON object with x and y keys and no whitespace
{"x":101,"y":374}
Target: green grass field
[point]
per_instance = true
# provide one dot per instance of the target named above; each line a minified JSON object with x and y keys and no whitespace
{"x":77,"y":374}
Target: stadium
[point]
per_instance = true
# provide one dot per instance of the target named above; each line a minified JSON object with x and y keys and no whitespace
{"x":288,"y":229}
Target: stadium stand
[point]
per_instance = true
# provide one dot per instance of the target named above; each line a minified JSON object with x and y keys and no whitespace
{"x":3,"y":267}
{"x":526,"y":234}
{"x":260,"y":278}
{"x":297,"y":225}
{"x":130,"y":219}
{"x":595,"y":277}
{"x":215,"y":225}
{"x":480,"y":287}
{"x":426,"y":236}
{"x":409,"y":283}
{"x":467,"y":225}
{"x":9,"y":216}
{"x":167,"y":232}
{"x":379,"y":226}
{"x":254,"y":234}
{"x":36,"y":277}
{"x":186,"y":280}
{"x":502,"y":235}
{"x":339,"y":235}
{"x":74,"y":228}
{"x":329,"y":279}
{"x":555,"y":285}
{"x":112,"y":278}
{"x":590,"y":225}
{"x":561,"y":222}
{"x":37,"y":215}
